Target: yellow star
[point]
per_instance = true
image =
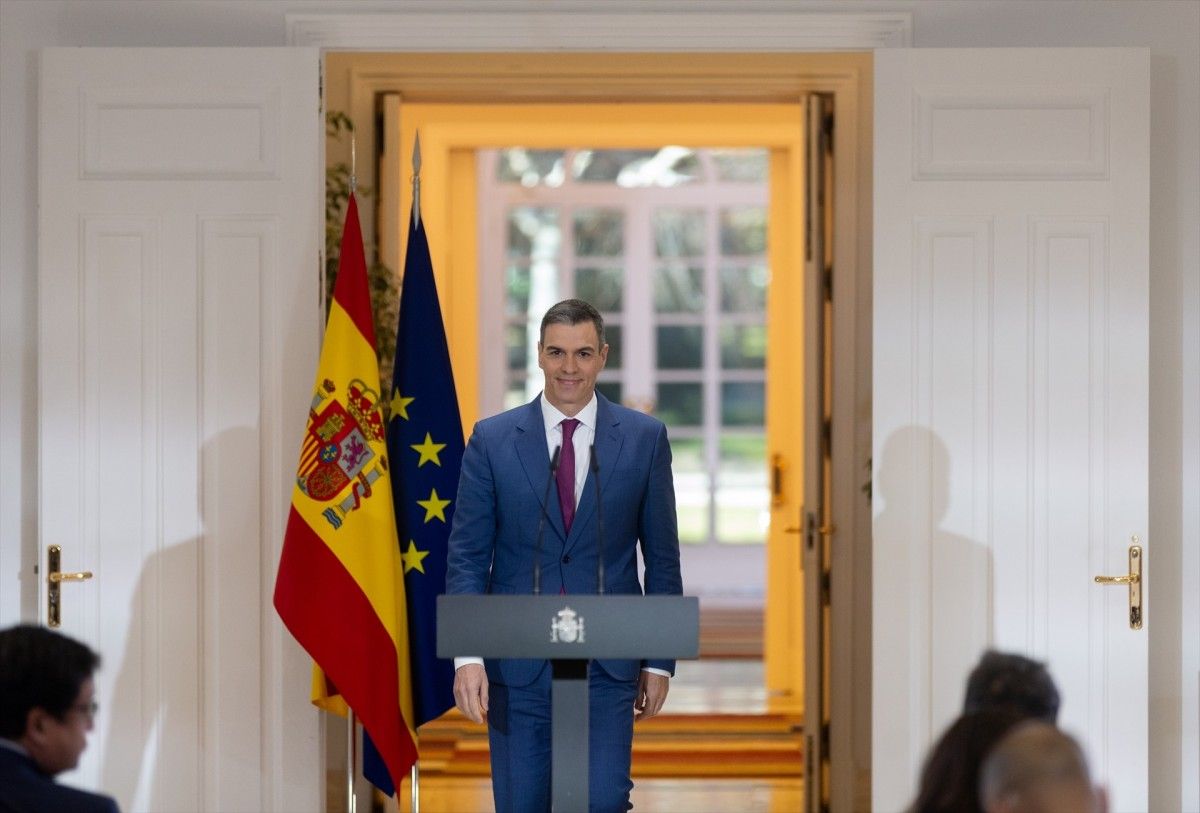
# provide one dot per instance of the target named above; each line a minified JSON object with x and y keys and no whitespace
{"x":428,"y":451}
{"x":400,"y":405}
{"x":434,"y":507}
{"x":412,"y":557}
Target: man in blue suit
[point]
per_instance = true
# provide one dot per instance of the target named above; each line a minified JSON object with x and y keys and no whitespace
{"x":505,"y":472}
{"x":47,"y":701}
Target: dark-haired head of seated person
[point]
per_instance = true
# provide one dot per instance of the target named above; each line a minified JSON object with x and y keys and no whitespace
{"x":1006,"y":680}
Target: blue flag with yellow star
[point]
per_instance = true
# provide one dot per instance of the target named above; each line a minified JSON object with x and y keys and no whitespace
{"x":425,"y":448}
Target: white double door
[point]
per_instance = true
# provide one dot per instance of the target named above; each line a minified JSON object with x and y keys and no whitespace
{"x":1010,"y":392}
{"x":179,"y":225}
{"x":179,"y":311}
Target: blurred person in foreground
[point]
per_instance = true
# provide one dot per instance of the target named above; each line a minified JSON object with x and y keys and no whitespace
{"x":1011,"y":681}
{"x":1038,"y":769}
{"x":47,"y":704}
{"x":1003,"y":690}
{"x":949,"y":780}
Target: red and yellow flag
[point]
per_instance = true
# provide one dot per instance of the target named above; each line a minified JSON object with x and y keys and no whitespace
{"x":340,"y":587}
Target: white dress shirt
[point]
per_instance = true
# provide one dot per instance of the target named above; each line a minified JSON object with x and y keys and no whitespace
{"x":585,"y":433}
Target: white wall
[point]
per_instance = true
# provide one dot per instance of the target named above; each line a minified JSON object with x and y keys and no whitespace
{"x":1170,"y":29}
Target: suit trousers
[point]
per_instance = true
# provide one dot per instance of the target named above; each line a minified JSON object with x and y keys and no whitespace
{"x":519,"y":738}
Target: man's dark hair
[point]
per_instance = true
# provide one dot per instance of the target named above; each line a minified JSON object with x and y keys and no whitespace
{"x":1009,"y":681}
{"x":39,"y":668}
{"x":572,"y":312}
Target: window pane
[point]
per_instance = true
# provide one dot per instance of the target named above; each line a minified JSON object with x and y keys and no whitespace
{"x":743,"y":453}
{"x":680,"y":347}
{"x":603,"y":287}
{"x":743,"y":288}
{"x":742,"y":404}
{"x":612,"y":335}
{"x":679,"y":289}
{"x":742,"y":499}
{"x":746,"y":166}
{"x":691,"y":489}
{"x":743,"y":347}
{"x":599,"y":232}
{"x":516,"y":394}
{"x":680,"y":404}
{"x":533,"y":232}
{"x":531,"y":167}
{"x":518,"y":344}
{"x":610,"y":390}
{"x":516,"y":287}
{"x":679,"y":232}
{"x":669,"y":166}
{"x":743,"y":231}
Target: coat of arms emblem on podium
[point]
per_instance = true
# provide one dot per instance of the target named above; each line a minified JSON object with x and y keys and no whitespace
{"x":566,"y":627}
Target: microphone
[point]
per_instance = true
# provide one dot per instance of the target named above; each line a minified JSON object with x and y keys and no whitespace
{"x":599,"y":525}
{"x":537,"y":549}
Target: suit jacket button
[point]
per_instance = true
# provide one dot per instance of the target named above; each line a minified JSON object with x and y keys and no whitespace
{"x":566,"y":560}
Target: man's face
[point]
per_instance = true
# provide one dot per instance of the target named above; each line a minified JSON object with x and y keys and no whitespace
{"x":571,"y":357}
{"x":55,"y":744}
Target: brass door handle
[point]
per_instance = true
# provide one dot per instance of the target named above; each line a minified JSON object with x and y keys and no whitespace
{"x":778,"y":467}
{"x":70,"y":577}
{"x":55,"y":577}
{"x":1130,"y":579}
{"x":1134,"y":580}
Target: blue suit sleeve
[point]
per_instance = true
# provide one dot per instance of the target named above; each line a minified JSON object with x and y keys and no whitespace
{"x":473,"y":535}
{"x":658,"y":531}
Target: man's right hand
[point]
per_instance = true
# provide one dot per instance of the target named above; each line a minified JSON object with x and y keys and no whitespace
{"x":471,"y":691}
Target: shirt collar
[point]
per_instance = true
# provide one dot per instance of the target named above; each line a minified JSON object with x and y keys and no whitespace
{"x":13,"y":745}
{"x":552,"y":417}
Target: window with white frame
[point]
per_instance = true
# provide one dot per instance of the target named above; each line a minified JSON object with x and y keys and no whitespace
{"x":670,"y":245}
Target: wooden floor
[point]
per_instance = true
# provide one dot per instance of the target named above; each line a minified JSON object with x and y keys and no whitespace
{"x":720,"y":745}
{"x":474,"y":795}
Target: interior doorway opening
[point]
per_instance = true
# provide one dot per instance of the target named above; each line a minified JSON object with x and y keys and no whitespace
{"x":438,"y":90}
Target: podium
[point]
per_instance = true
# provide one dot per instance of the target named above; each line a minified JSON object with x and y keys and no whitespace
{"x":569,"y":631}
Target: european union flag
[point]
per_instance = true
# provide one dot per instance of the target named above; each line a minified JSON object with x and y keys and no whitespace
{"x":425,"y":448}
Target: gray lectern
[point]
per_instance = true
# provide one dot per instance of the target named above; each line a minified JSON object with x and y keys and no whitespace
{"x":569,"y":631}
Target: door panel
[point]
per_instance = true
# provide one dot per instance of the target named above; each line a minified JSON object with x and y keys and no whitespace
{"x":179,"y":317}
{"x":1010,"y":411}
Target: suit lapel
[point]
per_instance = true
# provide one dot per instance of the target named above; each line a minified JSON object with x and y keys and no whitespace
{"x":608,"y":442}
{"x":535,"y":459}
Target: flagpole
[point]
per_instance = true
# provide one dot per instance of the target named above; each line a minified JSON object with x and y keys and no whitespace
{"x":351,"y":756}
{"x":415,"y":771}
{"x":351,"y":739}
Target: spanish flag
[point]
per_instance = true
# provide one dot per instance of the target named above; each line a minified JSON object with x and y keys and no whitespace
{"x":340,"y":587}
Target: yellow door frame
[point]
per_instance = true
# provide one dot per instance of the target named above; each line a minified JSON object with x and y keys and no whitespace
{"x":449,"y":136}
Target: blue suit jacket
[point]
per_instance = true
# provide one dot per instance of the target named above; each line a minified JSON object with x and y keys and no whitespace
{"x":25,"y":789}
{"x":504,"y":473}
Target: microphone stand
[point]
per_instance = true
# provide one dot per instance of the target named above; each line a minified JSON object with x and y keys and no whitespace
{"x":599,"y":525}
{"x":537,"y":549}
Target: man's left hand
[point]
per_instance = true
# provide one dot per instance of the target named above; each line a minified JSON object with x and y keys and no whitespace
{"x":651,"y":694}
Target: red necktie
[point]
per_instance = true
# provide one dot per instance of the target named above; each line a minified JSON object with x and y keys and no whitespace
{"x":565,"y":478}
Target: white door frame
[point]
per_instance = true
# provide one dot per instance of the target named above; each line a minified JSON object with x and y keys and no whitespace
{"x":656,"y":28}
